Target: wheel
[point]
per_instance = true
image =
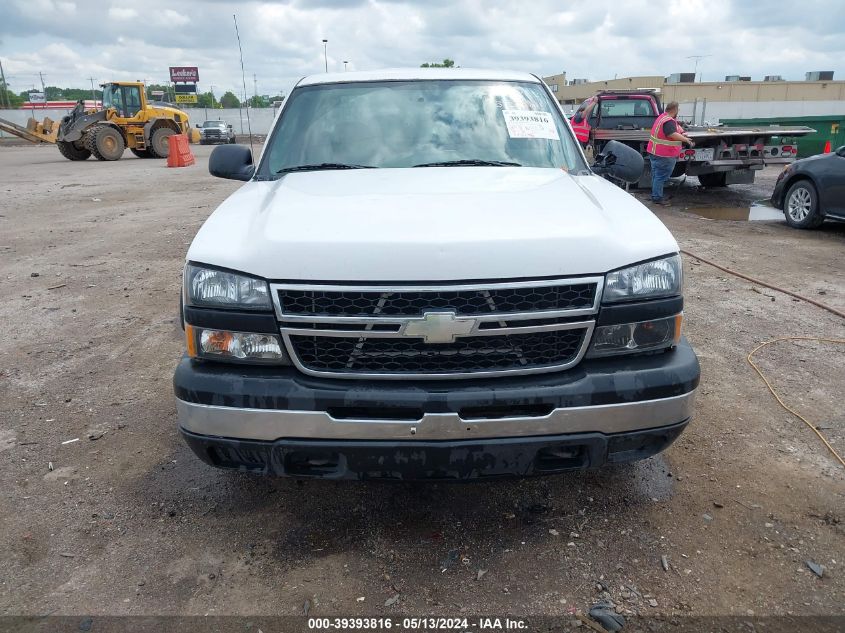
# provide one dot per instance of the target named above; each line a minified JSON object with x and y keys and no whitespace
{"x":232,"y":141}
{"x":159,"y":146}
{"x":141,"y":153}
{"x":801,"y":206}
{"x":71,"y":151}
{"x":718,"y":179}
{"x":104,"y":142}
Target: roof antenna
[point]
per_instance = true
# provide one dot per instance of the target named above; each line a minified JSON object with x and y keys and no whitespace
{"x":243,"y":78}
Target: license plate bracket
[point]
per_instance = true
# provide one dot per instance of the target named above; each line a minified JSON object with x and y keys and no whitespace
{"x":705,"y":154}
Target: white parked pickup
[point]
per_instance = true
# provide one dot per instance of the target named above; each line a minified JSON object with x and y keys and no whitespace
{"x":422,"y":278}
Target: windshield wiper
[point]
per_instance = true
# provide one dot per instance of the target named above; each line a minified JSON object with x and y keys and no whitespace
{"x":472,"y":162}
{"x":321,"y":166}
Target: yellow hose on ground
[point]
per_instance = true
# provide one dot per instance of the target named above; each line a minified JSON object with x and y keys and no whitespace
{"x":818,"y":304}
{"x":840,"y":341}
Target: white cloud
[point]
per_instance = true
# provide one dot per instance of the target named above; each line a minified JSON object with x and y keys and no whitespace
{"x":282,"y":39}
{"x":122,"y":13}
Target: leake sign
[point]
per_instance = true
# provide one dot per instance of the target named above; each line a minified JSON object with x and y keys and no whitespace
{"x":187,"y":74}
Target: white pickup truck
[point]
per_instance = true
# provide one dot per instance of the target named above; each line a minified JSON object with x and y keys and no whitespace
{"x":422,"y":278}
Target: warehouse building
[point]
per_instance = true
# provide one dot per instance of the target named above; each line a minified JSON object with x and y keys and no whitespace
{"x":736,"y":97}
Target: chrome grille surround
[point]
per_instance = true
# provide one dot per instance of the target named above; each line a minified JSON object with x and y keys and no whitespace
{"x":435,"y":326}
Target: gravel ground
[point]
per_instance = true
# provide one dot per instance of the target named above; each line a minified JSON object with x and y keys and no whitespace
{"x":126,"y":521}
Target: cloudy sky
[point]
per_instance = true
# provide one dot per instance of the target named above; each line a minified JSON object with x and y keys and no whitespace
{"x":72,"y":40}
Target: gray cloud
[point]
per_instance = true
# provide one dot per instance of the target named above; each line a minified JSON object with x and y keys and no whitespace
{"x":121,"y":39}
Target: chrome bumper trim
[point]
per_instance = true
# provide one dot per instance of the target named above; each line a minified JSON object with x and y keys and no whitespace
{"x":273,"y":424}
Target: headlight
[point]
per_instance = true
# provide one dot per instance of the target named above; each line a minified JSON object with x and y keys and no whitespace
{"x":248,"y":347}
{"x":632,"y":338}
{"x":211,"y":288}
{"x":658,"y":278}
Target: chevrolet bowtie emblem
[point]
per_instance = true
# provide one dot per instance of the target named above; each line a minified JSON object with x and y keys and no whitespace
{"x":439,"y":327}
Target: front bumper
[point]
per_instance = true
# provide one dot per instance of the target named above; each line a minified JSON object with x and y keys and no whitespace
{"x":278,"y":421}
{"x":412,"y":460}
{"x":778,"y":193}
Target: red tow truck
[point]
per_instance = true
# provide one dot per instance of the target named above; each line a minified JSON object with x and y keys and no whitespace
{"x":721,"y":156}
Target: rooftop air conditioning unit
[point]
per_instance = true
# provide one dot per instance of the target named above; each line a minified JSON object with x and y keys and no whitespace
{"x":819,"y":75}
{"x":773,"y":78}
{"x":681,"y":78}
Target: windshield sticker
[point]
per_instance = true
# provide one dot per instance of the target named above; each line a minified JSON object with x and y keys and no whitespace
{"x":530,"y":124}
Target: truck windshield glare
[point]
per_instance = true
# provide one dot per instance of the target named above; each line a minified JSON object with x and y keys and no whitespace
{"x":421,"y":123}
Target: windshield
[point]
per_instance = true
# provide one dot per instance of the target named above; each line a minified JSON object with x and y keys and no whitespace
{"x":214,"y":124}
{"x":110,"y":94}
{"x":420,"y":123}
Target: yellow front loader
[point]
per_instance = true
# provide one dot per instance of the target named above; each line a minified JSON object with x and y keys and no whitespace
{"x":126,"y":120}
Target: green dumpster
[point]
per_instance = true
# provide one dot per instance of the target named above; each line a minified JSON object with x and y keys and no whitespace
{"x":827,"y":128}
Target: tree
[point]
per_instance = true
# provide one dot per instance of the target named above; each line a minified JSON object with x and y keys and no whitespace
{"x":447,"y":63}
{"x":207,"y":100}
{"x":9,"y":99}
{"x":229,"y":100}
{"x":258,"y":102}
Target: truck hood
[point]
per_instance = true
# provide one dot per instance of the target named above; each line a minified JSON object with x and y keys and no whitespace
{"x":429,"y":224}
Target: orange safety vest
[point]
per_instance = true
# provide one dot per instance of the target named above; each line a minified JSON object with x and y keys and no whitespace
{"x":582,"y":129}
{"x":659,"y":144}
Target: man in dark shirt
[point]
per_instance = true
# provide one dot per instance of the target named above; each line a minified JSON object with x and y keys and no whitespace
{"x":662,"y":165}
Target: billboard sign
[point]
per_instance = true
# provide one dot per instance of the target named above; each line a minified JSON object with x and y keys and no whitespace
{"x":185,"y":88}
{"x":184,"y":74}
{"x":192,"y":98}
{"x":37,"y":97}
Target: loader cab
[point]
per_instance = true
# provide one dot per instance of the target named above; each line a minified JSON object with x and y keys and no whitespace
{"x":127,"y":99}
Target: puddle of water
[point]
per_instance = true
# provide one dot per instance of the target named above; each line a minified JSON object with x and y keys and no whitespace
{"x":755,"y":213}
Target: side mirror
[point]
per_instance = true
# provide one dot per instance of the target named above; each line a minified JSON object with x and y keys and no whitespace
{"x":197,"y":125}
{"x":841,"y":151}
{"x":231,"y":161}
{"x":619,"y":161}
{"x":230,"y":127}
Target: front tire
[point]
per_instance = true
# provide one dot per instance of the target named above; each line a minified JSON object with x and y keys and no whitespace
{"x":801,"y":206}
{"x":104,"y":142}
{"x":71,"y":151}
{"x":159,"y":145}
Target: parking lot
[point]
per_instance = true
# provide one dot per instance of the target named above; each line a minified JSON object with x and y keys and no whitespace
{"x":106,"y":511}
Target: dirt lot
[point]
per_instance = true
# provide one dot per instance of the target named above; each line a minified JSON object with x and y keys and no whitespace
{"x":129,"y":522}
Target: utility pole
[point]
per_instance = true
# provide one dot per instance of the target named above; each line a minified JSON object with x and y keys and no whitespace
{"x":697,"y":59}
{"x":93,"y":92}
{"x":211,"y":91}
{"x":43,"y":89}
{"x":344,"y":65}
{"x":326,"y":53}
{"x":254,"y":89}
{"x":5,"y":100}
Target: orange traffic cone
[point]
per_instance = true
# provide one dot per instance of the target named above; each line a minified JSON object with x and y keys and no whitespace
{"x":826,"y":148}
{"x":180,"y":153}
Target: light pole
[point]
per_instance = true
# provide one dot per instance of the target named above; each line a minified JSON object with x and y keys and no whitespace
{"x":326,"y":54}
{"x":697,"y":59}
{"x":344,"y":66}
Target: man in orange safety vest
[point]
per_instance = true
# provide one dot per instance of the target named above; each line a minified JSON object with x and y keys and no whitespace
{"x":664,"y":147}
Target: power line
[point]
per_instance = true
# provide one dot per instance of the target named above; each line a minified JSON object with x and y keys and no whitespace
{"x":243,"y":80}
